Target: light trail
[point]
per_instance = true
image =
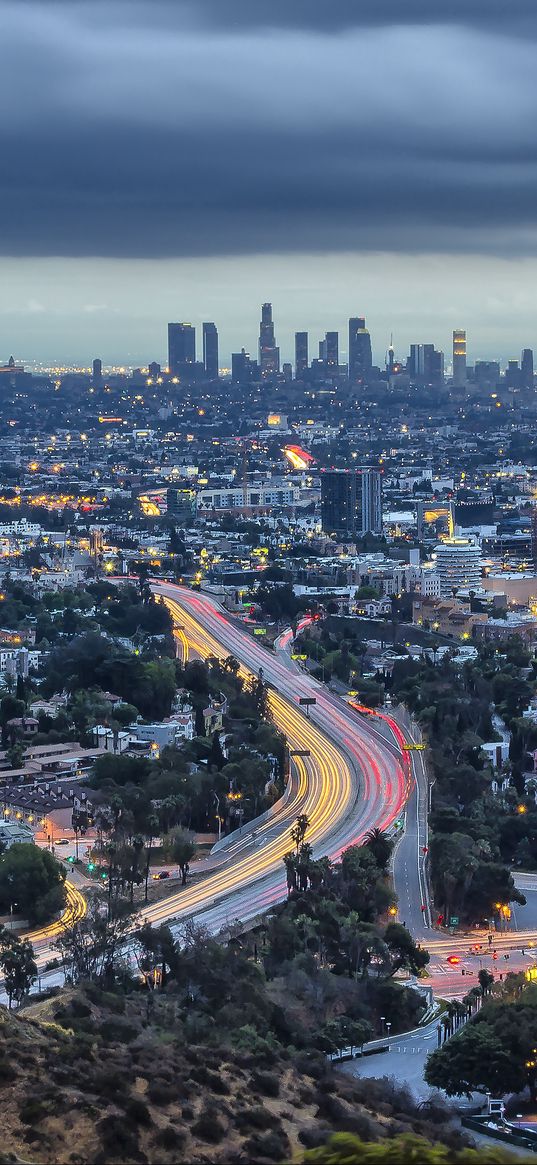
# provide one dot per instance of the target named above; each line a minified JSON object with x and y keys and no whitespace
{"x":351,"y":782}
{"x":75,"y":909}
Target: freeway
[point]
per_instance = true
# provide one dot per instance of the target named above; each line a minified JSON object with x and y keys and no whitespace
{"x":353,"y":780}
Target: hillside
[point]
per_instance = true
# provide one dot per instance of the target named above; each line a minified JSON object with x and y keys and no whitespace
{"x":91,"y":1077}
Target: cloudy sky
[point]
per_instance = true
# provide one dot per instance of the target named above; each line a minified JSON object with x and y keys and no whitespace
{"x":188,"y":159}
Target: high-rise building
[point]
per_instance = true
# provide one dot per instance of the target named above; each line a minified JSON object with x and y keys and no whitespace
{"x":241,"y":367}
{"x":154,"y":369}
{"x":425,"y":364}
{"x":181,"y":347}
{"x":360,"y":357}
{"x":526,"y":367}
{"x":181,"y":505}
{"x":331,"y":349}
{"x":351,"y":502}
{"x":512,"y":378}
{"x":210,"y":351}
{"x":97,"y":372}
{"x":459,"y":358}
{"x":458,"y":565}
{"x":487,"y":373}
{"x":269,"y":353}
{"x":301,"y":354}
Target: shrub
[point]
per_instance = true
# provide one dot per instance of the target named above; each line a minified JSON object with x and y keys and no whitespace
{"x":117,"y":1139}
{"x":7,"y":1072}
{"x":137,"y":1110}
{"x":159,"y":1092}
{"x":208,"y":1127}
{"x":31,"y":1112}
{"x":170,"y":1138}
{"x":274,"y":1146}
{"x":266,"y":1082}
{"x":256,"y":1117}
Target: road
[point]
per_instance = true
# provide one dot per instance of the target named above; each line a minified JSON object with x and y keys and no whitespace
{"x":404,"y":1060}
{"x":353,"y":780}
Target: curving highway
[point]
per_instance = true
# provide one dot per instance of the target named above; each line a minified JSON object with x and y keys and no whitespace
{"x":354,"y":779}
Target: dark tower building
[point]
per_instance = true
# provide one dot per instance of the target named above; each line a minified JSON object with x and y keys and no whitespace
{"x":241,"y":367}
{"x":331,"y":349}
{"x":526,"y":368}
{"x":181,"y":505}
{"x":301,"y":354}
{"x":97,"y":374}
{"x":154,"y":370}
{"x":426,"y":364}
{"x":181,"y":347}
{"x":210,"y":351}
{"x":360,"y":357}
{"x":351,"y":502}
{"x":269,"y":353}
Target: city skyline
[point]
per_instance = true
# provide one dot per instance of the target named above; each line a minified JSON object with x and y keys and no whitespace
{"x":409,"y":199}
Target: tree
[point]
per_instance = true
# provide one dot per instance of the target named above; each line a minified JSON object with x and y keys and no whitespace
{"x":183,"y":850}
{"x":486,"y":979}
{"x":158,"y":954}
{"x":91,"y":948}
{"x":216,"y":758}
{"x":403,"y":950}
{"x":18,"y":966}
{"x":346,"y":1149}
{"x":474,"y":1061}
{"x":380,"y":846}
{"x":33,"y":880}
{"x":299,"y":830}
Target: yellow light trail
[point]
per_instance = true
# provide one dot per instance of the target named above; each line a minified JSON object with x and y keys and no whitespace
{"x":75,"y":909}
{"x":325,"y":793}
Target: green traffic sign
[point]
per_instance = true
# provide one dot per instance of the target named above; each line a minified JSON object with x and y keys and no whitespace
{"x":454,"y":921}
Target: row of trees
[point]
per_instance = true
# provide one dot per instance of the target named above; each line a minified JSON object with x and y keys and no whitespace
{"x":476,"y":836}
{"x":497,"y":1052}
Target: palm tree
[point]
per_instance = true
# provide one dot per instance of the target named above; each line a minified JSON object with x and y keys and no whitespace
{"x":299,"y":830}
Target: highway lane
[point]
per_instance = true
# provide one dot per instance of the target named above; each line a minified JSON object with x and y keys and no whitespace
{"x":352,"y":781}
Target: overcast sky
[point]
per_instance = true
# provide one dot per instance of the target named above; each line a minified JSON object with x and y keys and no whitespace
{"x":188,"y":159}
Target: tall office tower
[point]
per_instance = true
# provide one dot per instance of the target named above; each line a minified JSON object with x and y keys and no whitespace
{"x":301,"y":354}
{"x":269,"y":353}
{"x":512,"y":378}
{"x":331,"y":349}
{"x":351,"y":502}
{"x":487,"y":373}
{"x":154,"y":369}
{"x":458,"y":565}
{"x":210,"y":351}
{"x":526,"y":365}
{"x":181,"y":346}
{"x":97,"y":372}
{"x":371,"y":500}
{"x":241,"y":367}
{"x":360,"y":358}
{"x":390,"y":358}
{"x":459,"y":358}
{"x":426,"y":364}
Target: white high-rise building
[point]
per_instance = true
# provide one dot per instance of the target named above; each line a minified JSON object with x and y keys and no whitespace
{"x":458,"y":565}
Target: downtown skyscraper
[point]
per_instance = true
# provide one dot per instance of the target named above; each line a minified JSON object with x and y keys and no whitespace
{"x":360,"y":357}
{"x":269,"y":353}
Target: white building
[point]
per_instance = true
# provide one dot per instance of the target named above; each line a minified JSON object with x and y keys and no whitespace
{"x":458,"y":565}
{"x":17,"y":661}
{"x":13,"y":833}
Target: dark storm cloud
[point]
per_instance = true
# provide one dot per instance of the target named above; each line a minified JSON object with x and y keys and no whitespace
{"x":175,"y":128}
